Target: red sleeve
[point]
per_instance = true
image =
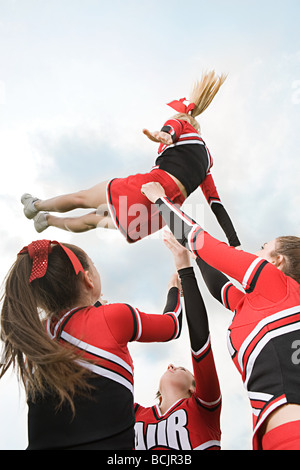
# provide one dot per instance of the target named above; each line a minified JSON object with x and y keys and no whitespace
{"x":207,"y":391}
{"x":253,"y":272}
{"x":212,"y":196}
{"x":209,"y":189}
{"x":206,"y":380}
{"x":129,"y":324}
{"x":174,"y":128}
{"x":231,"y":296}
{"x":157,"y":328}
{"x":250,"y":270}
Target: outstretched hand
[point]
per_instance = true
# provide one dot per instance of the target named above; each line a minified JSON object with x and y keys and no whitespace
{"x":153,"y":191}
{"x":180,"y":254}
{"x":159,"y":136}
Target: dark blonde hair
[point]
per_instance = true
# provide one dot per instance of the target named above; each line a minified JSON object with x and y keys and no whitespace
{"x":289,"y":248}
{"x":41,"y":363}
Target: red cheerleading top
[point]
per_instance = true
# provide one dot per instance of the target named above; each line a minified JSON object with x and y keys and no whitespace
{"x":101,"y":334}
{"x":189,"y":160}
{"x":266,"y":321}
{"x":190,"y":423}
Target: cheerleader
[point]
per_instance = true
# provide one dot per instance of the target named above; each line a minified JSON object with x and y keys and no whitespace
{"x":71,"y":350}
{"x":187,"y":416}
{"x":182,"y":165}
{"x":264,"y":334}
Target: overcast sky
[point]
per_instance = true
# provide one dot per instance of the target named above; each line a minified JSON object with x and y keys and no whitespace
{"x":78,"y":82}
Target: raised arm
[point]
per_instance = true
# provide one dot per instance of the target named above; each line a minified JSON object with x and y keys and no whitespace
{"x":207,"y":388}
{"x":220,"y":287}
{"x":168,"y":134}
{"x":250,"y":270}
{"x":130,"y":324}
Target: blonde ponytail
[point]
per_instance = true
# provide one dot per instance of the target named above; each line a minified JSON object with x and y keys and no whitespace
{"x":205,"y":90}
{"x":202,"y":94}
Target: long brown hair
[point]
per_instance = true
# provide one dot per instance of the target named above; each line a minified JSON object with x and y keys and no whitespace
{"x":289,"y":248}
{"x":41,"y":363}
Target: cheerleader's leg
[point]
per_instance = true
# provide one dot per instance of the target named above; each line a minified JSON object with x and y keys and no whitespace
{"x":90,"y":198}
{"x":82,"y":223}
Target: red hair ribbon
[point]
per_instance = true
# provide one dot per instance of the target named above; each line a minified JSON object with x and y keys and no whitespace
{"x":39,"y":250}
{"x":182,"y":105}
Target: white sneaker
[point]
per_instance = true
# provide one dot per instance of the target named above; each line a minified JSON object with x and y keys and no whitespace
{"x":29,"y":208}
{"x":40,"y":221}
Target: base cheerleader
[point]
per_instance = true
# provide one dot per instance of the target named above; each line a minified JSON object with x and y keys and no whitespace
{"x":263,"y":338}
{"x":187,"y":416}
{"x":70,"y":349}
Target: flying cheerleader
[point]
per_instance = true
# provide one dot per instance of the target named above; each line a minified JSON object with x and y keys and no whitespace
{"x":183,"y":164}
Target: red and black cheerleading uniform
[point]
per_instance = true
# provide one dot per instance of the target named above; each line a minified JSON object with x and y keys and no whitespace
{"x":191,"y":423}
{"x":189,"y":160}
{"x":266,"y":320}
{"x":105,"y":418}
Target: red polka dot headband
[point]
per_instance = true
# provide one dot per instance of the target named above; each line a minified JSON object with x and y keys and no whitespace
{"x":39,"y":251}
